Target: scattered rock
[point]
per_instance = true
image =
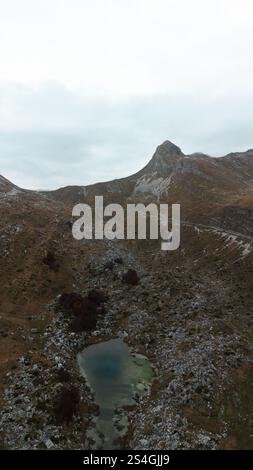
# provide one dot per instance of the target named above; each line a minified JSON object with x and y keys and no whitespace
{"x":49,"y":444}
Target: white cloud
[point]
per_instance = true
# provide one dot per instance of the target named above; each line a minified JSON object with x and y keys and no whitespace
{"x":128,"y":47}
{"x":89,"y":88}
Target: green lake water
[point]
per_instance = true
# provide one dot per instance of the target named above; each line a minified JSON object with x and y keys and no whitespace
{"x":115,"y":376}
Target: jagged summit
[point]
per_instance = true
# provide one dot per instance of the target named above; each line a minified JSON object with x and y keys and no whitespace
{"x":165,"y":157}
{"x":167,"y":148}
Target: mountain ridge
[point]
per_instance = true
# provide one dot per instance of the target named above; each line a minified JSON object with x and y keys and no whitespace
{"x":164,"y":156}
{"x":168,"y":157}
{"x":205,"y":186}
{"x":220,"y":188}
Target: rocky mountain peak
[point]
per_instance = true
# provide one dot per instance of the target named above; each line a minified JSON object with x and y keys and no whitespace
{"x":168,"y":149}
{"x":165,"y":157}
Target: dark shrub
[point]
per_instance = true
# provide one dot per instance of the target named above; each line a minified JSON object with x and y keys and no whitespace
{"x":89,"y":307}
{"x":84,"y":309}
{"x":51,"y":261}
{"x":72,"y":303}
{"x":63,"y":375}
{"x":131,"y":277}
{"x":97,"y":297}
{"x":66,"y":402}
{"x":84,"y":323}
{"x":118,"y":260}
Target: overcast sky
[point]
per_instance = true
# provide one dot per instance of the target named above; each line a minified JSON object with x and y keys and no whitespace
{"x":89,"y":88}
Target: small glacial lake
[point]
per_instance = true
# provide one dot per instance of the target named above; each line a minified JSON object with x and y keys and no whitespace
{"x":116,"y":376}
